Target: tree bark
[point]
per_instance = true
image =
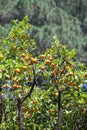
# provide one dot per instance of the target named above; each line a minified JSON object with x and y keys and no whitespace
{"x":59,"y":111}
{"x":0,"y":112}
{"x":20,"y":115}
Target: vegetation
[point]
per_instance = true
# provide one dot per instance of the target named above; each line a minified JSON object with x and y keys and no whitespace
{"x":40,"y":91}
{"x":65,"y":19}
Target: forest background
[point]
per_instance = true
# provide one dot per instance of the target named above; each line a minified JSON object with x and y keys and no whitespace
{"x":66,"y":19}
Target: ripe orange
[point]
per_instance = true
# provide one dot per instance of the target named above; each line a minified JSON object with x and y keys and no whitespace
{"x":23,"y":54}
{"x":14,"y":47}
{"x":42,"y":67}
{"x":27,"y":58}
{"x":50,"y":57}
{"x":52,"y":111}
{"x":67,"y":68}
{"x":37,"y":109}
{"x":66,"y":80}
{"x":24,"y":91}
{"x":85,"y":75}
{"x":16,"y":86}
{"x":42,"y":56}
{"x":24,"y":36}
{"x":17,"y":81}
{"x":24,"y":108}
{"x":71,"y":74}
{"x":0,"y":94}
{"x":13,"y":79}
{"x":53,"y":65}
{"x":30,"y":63}
{"x":5,"y":86}
{"x":21,"y":49}
{"x":55,"y":72}
{"x":34,"y":60}
{"x":29,"y":114}
{"x":33,"y":102}
{"x":17,"y":70}
{"x":24,"y":67}
{"x":48,"y":62}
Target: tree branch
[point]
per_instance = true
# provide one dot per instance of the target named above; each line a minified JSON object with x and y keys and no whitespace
{"x":32,"y":87}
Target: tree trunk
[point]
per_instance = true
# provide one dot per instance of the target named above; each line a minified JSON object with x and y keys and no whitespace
{"x":59,"y":111}
{"x":0,"y":112}
{"x":20,"y":115}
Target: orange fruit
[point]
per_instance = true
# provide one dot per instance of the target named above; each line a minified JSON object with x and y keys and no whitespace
{"x":56,"y":71}
{"x":24,"y":67}
{"x":42,"y":67}
{"x":37,"y":109}
{"x":27,"y":58}
{"x":48,"y":62}
{"x":21,"y":49}
{"x":24,"y":36}
{"x":50,"y":57}
{"x":53,"y":65}
{"x":85,"y":75}
{"x":34,"y":60}
{"x":30,"y":63}
{"x":70,"y":83}
{"x":5,"y":86}
{"x":33,"y":102}
{"x":23,"y":54}
{"x":16,"y":86}
{"x":23,"y":108}
{"x":14,"y":47}
{"x":67,"y":68}
{"x":17,"y":81}
{"x":42,"y":56}
{"x":62,"y":75}
{"x":13,"y":79}
{"x":29,"y":115}
{"x":0,"y":94}
{"x":24,"y":91}
{"x":71,"y":74}
{"x":17,"y":70}
{"x":52,"y":110}
{"x":66,"y":80}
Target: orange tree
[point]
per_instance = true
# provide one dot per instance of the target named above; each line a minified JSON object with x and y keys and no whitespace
{"x":39,"y":91}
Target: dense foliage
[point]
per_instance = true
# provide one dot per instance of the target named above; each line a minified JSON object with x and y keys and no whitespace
{"x":65,"y":19}
{"x":40,"y":91}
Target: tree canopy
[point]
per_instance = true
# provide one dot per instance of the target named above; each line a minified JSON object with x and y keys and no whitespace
{"x":65,"y":19}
